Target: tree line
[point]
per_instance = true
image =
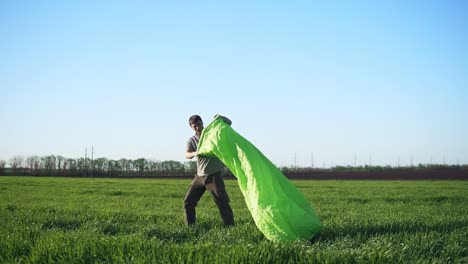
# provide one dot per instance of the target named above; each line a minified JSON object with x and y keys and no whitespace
{"x":56,"y":165}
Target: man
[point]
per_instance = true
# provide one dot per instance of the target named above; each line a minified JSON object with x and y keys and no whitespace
{"x":208,"y":177}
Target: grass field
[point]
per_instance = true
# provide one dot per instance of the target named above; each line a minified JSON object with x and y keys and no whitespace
{"x":44,"y":220}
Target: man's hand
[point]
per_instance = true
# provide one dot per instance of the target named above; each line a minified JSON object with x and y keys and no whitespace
{"x":190,"y":154}
{"x":225,"y":119}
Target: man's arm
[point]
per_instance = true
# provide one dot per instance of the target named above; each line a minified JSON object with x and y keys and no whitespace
{"x":189,"y":153}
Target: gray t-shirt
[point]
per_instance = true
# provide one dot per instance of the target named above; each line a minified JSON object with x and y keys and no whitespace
{"x":205,"y":165}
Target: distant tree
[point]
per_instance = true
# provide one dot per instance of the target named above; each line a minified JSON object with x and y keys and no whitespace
{"x":72,"y":167}
{"x":30,"y":164}
{"x":154,"y":167}
{"x":49,"y":164}
{"x":80,"y":166}
{"x":421,"y":166}
{"x":124,"y":166}
{"x":65,"y":167}
{"x":37,"y":165}
{"x":139,"y":165}
{"x":191,"y":166}
{"x":113,"y":168}
{"x":2,"y":167}
{"x":340,"y":168}
{"x":16,"y":163}
{"x":59,"y":160}
{"x":172,"y":167}
{"x":33,"y":165}
{"x":100,"y":165}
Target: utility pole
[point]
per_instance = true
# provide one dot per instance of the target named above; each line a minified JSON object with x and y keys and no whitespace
{"x":312,"y":160}
{"x":355,"y":159}
{"x":295,"y":164}
{"x":92,"y":160}
{"x":85,"y":161}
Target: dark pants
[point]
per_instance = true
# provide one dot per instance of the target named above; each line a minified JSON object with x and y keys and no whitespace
{"x":215,"y":184}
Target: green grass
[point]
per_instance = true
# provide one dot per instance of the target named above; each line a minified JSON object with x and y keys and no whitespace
{"x":44,"y":220}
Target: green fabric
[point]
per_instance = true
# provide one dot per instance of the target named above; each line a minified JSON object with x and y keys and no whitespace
{"x":280,"y":211}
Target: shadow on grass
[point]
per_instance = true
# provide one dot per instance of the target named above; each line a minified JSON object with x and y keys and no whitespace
{"x":63,"y":224}
{"x":180,"y":233}
{"x":329,"y":235}
{"x":204,"y":230}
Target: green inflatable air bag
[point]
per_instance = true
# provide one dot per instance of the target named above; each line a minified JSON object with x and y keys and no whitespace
{"x":280,"y":211}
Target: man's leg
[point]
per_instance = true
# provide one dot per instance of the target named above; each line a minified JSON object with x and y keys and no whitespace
{"x":193,"y":195}
{"x":215,"y":184}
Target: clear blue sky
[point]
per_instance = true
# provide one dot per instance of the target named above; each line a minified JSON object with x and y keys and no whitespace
{"x":377,"y":80}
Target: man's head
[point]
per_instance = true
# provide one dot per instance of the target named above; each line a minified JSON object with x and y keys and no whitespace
{"x":196,"y":123}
